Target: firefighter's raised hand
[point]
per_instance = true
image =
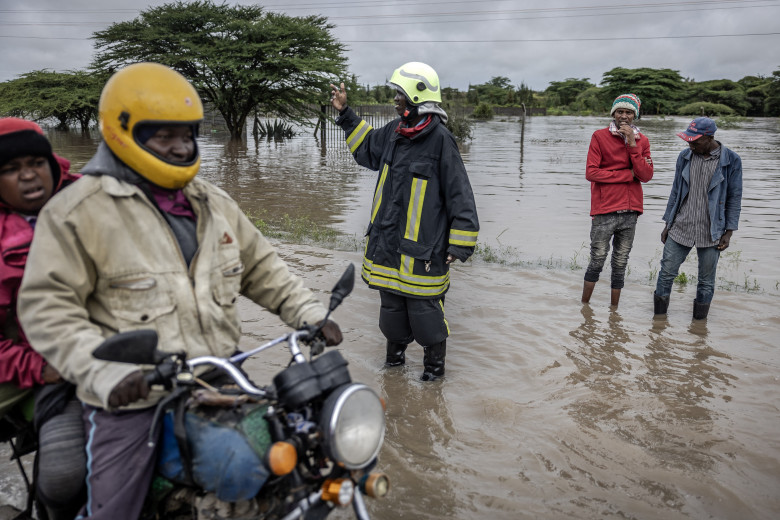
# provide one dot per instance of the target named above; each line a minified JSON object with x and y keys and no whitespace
{"x":338,"y":97}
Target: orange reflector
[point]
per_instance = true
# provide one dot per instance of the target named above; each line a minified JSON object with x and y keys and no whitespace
{"x":377,"y":485}
{"x":384,"y":404}
{"x":339,"y":491}
{"x":282,"y":458}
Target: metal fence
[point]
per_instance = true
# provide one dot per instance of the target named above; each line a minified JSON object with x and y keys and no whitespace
{"x":379,"y":115}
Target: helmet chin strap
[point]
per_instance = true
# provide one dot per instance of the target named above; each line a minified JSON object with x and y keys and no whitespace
{"x":409,"y":114}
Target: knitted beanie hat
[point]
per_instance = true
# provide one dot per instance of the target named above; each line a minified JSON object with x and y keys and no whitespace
{"x":629,"y":101}
{"x":19,"y":138}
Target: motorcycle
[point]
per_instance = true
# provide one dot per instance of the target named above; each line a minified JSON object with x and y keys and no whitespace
{"x":295,"y":449}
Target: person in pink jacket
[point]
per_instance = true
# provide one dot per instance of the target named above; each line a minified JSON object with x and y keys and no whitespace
{"x":618,"y":162}
{"x":30,"y":174}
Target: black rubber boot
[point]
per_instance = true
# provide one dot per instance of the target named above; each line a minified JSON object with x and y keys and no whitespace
{"x":700,"y":310}
{"x":660,"y":304}
{"x":395,"y":354}
{"x":433,"y":361}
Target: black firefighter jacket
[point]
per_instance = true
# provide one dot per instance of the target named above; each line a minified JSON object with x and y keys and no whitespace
{"x":423,"y":206}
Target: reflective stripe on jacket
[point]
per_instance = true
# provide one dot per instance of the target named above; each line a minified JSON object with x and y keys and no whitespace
{"x":118,"y":267}
{"x":423,"y":207}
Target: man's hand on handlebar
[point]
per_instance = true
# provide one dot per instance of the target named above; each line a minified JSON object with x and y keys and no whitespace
{"x":131,"y":389}
{"x":331,"y":332}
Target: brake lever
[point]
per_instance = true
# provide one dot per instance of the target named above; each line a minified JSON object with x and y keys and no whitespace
{"x":318,"y":346}
{"x":315,"y":339}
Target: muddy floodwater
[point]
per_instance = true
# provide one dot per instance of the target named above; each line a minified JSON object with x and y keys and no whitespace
{"x":550,"y":408}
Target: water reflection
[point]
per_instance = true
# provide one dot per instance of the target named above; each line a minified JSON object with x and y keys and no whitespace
{"x":684,"y":373}
{"x":659,"y":400}
{"x":419,"y":432}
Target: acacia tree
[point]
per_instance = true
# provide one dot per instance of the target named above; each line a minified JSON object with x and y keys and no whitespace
{"x":69,"y":97}
{"x":240,"y":58}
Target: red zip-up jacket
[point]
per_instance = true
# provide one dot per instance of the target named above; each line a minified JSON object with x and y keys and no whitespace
{"x":613,"y":186}
{"x":19,"y":363}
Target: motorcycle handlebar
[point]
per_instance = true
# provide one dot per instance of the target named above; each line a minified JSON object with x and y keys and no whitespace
{"x":162,"y":374}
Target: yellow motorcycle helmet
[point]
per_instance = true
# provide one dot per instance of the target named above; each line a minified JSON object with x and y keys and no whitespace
{"x":418,"y":81}
{"x":149,"y":94}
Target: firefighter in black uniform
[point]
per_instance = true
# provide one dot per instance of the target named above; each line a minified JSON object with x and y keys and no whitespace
{"x":423,"y":216}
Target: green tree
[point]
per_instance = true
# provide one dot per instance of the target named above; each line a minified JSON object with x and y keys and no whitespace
{"x":719,"y":91}
{"x":772,"y":103}
{"x":240,"y":58}
{"x":756,"y":92}
{"x":591,"y":100}
{"x":525,"y":95}
{"x":659,"y":90}
{"x":497,"y":91}
{"x":564,"y":93}
{"x":69,"y":97}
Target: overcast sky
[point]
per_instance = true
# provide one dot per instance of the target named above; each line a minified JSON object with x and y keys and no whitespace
{"x":466,"y":41}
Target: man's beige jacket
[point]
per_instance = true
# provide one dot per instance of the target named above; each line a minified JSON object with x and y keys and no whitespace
{"x":104,"y":260}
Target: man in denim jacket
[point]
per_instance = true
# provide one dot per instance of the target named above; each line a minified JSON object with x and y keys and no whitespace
{"x":703,"y":211}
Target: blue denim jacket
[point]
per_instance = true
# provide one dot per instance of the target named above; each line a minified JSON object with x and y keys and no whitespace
{"x":724,"y":193}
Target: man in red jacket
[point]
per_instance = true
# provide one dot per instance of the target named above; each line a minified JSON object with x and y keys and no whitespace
{"x":618,"y":162}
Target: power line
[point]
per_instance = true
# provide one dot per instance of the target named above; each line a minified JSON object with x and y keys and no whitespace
{"x":383,"y":3}
{"x":553,"y":17}
{"x":526,"y":40}
{"x":430,"y":22}
{"x":534,"y":40}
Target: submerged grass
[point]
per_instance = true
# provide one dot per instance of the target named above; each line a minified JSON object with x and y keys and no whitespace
{"x":303,"y":230}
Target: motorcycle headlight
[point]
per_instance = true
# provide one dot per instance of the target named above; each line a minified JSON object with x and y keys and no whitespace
{"x":353,"y":424}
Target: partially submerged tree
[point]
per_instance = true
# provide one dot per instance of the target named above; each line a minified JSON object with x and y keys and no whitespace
{"x":69,"y":97}
{"x":240,"y":58}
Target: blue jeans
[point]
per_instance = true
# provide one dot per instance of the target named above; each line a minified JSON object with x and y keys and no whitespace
{"x":619,"y":227}
{"x":673,"y":257}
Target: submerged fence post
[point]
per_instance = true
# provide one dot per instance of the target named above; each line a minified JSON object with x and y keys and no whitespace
{"x":323,"y":121}
{"x":522,"y":133}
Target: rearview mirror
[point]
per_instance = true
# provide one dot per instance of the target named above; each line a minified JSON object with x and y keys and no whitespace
{"x":343,"y":287}
{"x":135,"y":346}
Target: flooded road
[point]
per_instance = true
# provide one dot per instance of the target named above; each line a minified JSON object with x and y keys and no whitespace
{"x":550,"y":408}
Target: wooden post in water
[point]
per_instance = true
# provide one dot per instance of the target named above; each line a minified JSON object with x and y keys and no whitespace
{"x":522,"y":134}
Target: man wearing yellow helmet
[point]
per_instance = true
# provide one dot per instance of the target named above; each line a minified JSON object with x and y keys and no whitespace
{"x":423,"y":216}
{"x":141,"y":243}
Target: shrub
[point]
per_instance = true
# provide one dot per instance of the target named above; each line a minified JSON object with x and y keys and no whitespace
{"x":703,"y":108}
{"x":483,"y":111}
{"x":460,"y":128}
{"x":276,"y":130}
{"x":730,"y":122}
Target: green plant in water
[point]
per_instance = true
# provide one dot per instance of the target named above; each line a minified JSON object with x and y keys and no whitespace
{"x":483,"y":111}
{"x":502,"y":255}
{"x":731,"y":121}
{"x":276,"y":130}
{"x":460,"y":128}
{"x":296,"y":229}
{"x":573,"y":260}
{"x":682,"y":279}
{"x":653,"y":273}
{"x":751,"y":286}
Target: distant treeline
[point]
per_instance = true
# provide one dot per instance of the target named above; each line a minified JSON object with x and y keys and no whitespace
{"x":662,"y":91}
{"x":246,"y":61}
